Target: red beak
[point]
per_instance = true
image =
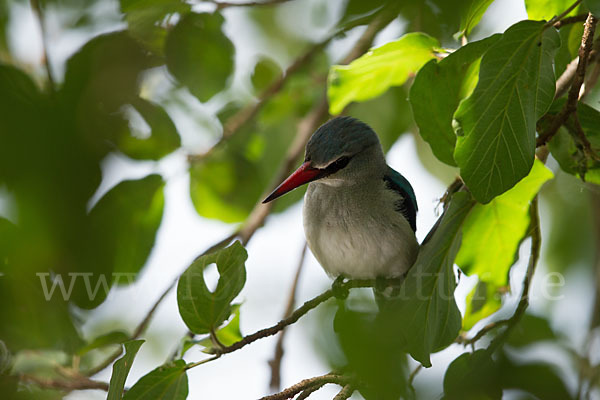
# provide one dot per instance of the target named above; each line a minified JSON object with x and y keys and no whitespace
{"x":304,"y":174}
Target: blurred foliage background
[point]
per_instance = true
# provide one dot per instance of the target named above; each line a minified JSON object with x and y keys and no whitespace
{"x":105,"y":104}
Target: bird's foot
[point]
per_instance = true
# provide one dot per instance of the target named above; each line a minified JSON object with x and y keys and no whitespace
{"x":339,"y":290}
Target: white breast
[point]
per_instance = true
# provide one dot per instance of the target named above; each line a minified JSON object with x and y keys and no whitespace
{"x":356,"y":232}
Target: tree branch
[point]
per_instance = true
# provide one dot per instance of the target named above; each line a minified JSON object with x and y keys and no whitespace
{"x":37,"y":10}
{"x":226,"y":4}
{"x":258,"y":215}
{"x":307,"y":384}
{"x":275,"y":363}
{"x":573,"y":97}
{"x":74,"y":383}
{"x":570,"y":20}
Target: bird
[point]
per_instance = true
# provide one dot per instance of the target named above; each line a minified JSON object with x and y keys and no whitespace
{"x":359,"y":214}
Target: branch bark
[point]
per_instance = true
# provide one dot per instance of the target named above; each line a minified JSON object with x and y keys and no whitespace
{"x":573,"y":97}
{"x":308,"y":384}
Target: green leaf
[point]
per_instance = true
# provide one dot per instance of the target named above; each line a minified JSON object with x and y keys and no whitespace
{"x":428,"y":314}
{"x":484,"y":300}
{"x":373,"y":73}
{"x":530,"y":329}
{"x":373,"y":353}
{"x":472,"y":15}
{"x":115,"y":337}
{"x":593,"y":6}
{"x":227,"y":335}
{"x":201,"y":309}
{"x":163,"y":138}
{"x":358,"y":12}
{"x":266,"y":71}
{"x":128,"y":217}
{"x":547,"y":9}
{"x":145,"y":19}
{"x":121,"y":369}
{"x":492,"y":232}
{"x":496,"y":124}
{"x":199,"y":55}
{"x":438,"y":89}
{"x":472,"y":376}
{"x":167,"y":382}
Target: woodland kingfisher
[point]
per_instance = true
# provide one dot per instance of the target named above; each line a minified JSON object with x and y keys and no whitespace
{"x":359,"y":214}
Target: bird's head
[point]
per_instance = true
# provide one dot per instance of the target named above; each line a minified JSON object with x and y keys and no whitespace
{"x":341,"y":151}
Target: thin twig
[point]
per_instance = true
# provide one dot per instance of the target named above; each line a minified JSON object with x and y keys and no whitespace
{"x":345,"y":393}
{"x":74,"y":383}
{"x":275,"y":363}
{"x":573,"y":97}
{"x":570,"y":20}
{"x":226,"y":4}
{"x":563,"y":14}
{"x":482,"y":332}
{"x":412,"y":377}
{"x":536,"y":244}
{"x":307,"y":392}
{"x":307,"y":384}
{"x":37,"y":9}
{"x":296,"y":315}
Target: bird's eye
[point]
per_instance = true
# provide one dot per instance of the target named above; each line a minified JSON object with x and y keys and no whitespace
{"x":337,"y":165}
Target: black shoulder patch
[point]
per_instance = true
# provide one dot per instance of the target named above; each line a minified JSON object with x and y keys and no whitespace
{"x":405,"y":206}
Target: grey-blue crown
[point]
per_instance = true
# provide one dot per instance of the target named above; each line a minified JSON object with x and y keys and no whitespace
{"x":338,"y":137}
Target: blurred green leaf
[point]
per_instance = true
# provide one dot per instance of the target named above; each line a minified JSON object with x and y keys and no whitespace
{"x":593,"y":6}
{"x":114,"y":337}
{"x":472,"y":376}
{"x":373,"y":354}
{"x":496,"y":123}
{"x":389,"y":115}
{"x":145,"y":19}
{"x":539,"y":379}
{"x":167,"y":382}
{"x":373,"y":73}
{"x":265,"y":72}
{"x":482,"y":301}
{"x":360,"y":12}
{"x":547,"y":9}
{"x":163,"y":138}
{"x":121,"y":369}
{"x":429,"y":319}
{"x":201,"y":309}
{"x":492,"y":232}
{"x":102,"y":77}
{"x":530,"y":329}
{"x":571,"y":242}
{"x":128,"y":217}
{"x":437,"y":91}
{"x":199,"y":55}
{"x":471,"y":15}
